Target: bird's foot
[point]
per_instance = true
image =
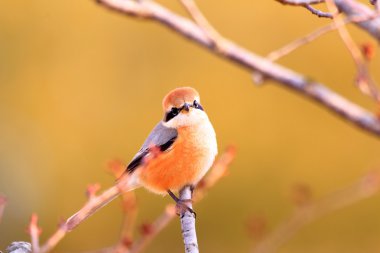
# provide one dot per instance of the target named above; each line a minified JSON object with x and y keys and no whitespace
{"x":182,"y":207}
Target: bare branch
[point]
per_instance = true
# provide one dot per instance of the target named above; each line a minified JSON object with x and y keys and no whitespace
{"x":130,"y":211}
{"x":363,"y":79}
{"x":34,"y":232}
{"x":203,"y":23}
{"x":218,"y":170}
{"x":287,"y":49}
{"x":93,"y":204}
{"x":19,"y":247}
{"x":189,"y":234}
{"x":309,"y":212}
{"x":318,"y":92}
{"x":353,"y":8}
{"x":3,"y":203}
{"x":161,"y":222}
{"x":319,"y":13}
{"x":300,"y":2}
{"x":133,"y":8}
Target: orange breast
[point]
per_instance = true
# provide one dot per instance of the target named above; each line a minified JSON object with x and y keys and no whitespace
{"x":179,"y":166}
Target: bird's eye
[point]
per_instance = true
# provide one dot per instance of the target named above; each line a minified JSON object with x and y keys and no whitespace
{"x":171,"y":114}
{"x":196,"y":105}
{"x":174,"y":110}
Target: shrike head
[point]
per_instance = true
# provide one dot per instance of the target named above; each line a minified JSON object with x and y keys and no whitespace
{"x":182,"y":108}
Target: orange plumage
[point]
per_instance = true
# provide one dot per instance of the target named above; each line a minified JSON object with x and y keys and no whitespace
{"x":188,"y":143}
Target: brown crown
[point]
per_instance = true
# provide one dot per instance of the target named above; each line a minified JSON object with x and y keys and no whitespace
{"x":178,"y":96}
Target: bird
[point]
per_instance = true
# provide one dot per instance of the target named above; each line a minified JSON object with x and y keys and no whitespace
{"x":178,"y":152}
{"x":187,"y":146}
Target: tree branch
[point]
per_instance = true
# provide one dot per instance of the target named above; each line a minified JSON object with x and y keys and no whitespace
{"x":203,"y":23}
{"x":189,"y":234}
{"x":318,"y":92}
{"x":300,"y":2}
{"x":34,"y":232}
{"x":355,"y":9}
{"x":93,"y":204}
{"x":319,"y":13}
{"x":288,"y":48}
{"x":3,"y":203}
{"x":309,"y":212}
{"x":157,"y":226}
{"x":363,"y":78}
{"x":19,"y":247}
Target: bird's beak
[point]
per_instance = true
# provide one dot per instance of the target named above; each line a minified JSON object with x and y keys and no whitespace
{"x":185,"y":108}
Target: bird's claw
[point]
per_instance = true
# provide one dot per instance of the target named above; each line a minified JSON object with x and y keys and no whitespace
{"x":182,"y":207}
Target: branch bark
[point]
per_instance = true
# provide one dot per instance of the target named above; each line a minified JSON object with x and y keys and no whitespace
{"x":189,"y":234}
{"x":363,"y":78}
{"x":319,"y":13}
{"x":332,"y":101}
{"x":19,"y":247}
{"x":300,"y":2}
{"x":355,"y":9}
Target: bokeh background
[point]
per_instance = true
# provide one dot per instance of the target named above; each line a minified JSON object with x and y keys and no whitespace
{"x":80,"y":85}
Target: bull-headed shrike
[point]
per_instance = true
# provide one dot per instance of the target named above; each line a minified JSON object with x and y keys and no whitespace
{"x":187,"y":143}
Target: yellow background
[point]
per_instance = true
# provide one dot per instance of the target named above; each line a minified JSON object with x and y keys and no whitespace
{"x":80,"y":85}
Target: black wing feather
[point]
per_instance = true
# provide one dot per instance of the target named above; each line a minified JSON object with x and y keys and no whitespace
{"x":139,"y":159}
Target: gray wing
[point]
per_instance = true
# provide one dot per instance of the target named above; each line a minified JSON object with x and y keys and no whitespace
{"x":161,"y":136}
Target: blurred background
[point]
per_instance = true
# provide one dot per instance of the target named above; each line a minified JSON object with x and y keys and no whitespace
{"x":80,"y":86}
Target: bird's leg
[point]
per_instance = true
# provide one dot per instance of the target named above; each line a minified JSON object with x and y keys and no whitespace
{"x":192,"y":188}
{"x":181,"y":204}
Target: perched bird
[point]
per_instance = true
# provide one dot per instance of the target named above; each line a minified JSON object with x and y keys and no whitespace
{"x":187,"y":144}
{"x":177,"y":153}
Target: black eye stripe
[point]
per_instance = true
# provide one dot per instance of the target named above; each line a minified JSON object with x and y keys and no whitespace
{"x":175,"y":111}
{"x":171,"y":114}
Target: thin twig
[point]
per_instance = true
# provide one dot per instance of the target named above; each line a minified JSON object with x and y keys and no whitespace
{"x":354,"y":8}
{"x":93,"y":204}
{"x":308,"y":213}
{"x":329,"y":99}
{"x":317,"y":12}
{"x":300,"y":2}
{"x":218,"y":170}
{"x":307,"y":5}
{"x":212,"y":34}
{"x":363,"y":79}
{"x":130,"y":210}
{"x":290,"y":47}
{"x":3,"y":203}
{"x":34,"y":232}
{"x":157,"y":226}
